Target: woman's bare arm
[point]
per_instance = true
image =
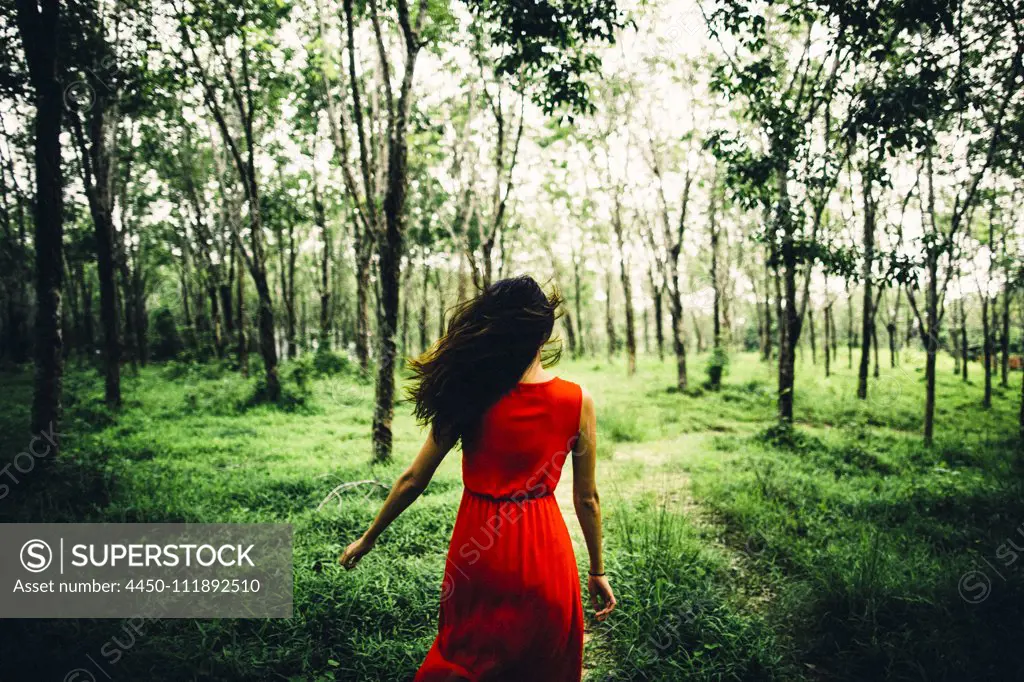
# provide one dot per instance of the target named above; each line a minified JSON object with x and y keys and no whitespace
{"x":409,"y":486}
{"x":588,"y":506}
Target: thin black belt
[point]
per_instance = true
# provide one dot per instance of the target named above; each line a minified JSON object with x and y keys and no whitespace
{"x":526,"y":495}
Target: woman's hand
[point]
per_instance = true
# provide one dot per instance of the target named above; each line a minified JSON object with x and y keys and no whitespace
{"x":354,"y":552}
{"x":601,"y":595}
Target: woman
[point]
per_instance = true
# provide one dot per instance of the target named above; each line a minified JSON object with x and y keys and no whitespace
{"x":510,"y":598}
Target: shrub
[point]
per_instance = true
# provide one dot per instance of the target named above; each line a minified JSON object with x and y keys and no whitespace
{"x":167,"y":341}
{"x":718,"y":362}
{"x":621,"y":426}
{"x":296,"y":379}
{"x":784,"y":436}
{"x":328,"y":363}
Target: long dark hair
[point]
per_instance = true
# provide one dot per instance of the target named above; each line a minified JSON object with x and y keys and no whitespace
{"x":490,"y":342}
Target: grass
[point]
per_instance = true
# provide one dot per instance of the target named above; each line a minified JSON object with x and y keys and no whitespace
{"x":740,"y":551}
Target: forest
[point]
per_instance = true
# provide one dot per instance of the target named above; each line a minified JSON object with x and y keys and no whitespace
{"x":790,"y":243}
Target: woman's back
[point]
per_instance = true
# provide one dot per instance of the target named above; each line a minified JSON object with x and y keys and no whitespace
{"x":523,"y":441}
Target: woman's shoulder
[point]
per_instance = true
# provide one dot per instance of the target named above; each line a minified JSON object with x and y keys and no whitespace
{"x":576,"y":393}
{"x":575,"y":403}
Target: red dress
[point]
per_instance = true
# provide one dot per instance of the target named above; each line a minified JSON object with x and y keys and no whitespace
{"x":510,"y":598}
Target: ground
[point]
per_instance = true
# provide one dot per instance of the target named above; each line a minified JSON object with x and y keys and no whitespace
{"x":840,"y":549}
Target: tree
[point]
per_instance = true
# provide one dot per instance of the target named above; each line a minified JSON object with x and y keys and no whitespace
{"x":718,"y":353}
{"x":227,"y":95}
{"x":976,"y":116}
{"x":786,"y":105}
{"x":672,"y":243}
{"x":613,"y":184}
{"x":496,"y":90}
{"x":95,"y":123}
{"x":15,"y":258}
{"x":386,"y":226}
{"x":39,"y":27}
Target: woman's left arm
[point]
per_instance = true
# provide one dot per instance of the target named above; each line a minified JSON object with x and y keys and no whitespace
{"x":409,"y":486}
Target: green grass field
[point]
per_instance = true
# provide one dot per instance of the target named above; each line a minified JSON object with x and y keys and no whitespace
{"x":840,"y":550}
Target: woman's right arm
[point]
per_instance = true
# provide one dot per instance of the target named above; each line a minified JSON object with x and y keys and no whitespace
{"x":409,"y":486}
{"x":588,"y":507}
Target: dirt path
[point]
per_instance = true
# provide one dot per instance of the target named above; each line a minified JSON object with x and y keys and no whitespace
{"x":665,"y":474}
{"x":673,"y":488}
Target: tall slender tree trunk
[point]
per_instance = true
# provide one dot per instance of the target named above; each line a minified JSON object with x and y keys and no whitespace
{"x":424,"y":341}
{"x":1004,"y":337}
{"x":963,"y":340}
{"x":39,"y":25}
{"x":678,"y":335}
{"x":14,"y":339}
{"x":627,"y":291}
{"x":929,"y":398}
{"x":867,"y":312}
{"x":828,"y":332}
{"x":986,"y":400}
{"x":791,"y":324}
{"x":931,"y":342}
{"x":390,"y":249}
{"x":186,"y":301}
{"x":363,"y":311}
{"x":956,"y":343}
{"x":874,"y":347}
{"x":609,"y":319}
{"x":767,"y":352}
{"x":578,"y":301}
{"x":406,"y":279}
{"x":440,"y":303}
{"x":215,"y":325}
{"x":570,"y":332}
{"x":787,"y":352}
{"x":226,"y":303}
{"x":241,"y":336}
{"x":341,"y":324}
{"x":265,"y":324}
{"x":390,"y":254}
{"x":675,"y":245}
{"x":647,"y":330}
{"x":758,"y":316}
{"x":716,"y":303}
{"x":813,"y":337}
{"x":1021,"y":417}
{"x":289,"y":305}
{"x":326,"y":314}
{"x":890,"y":329}
{"x":460,"y":289}
{"x":286,"y":254}
{"x":778,"y":300}
{"x":988,"y":316}
{"x":264,"y":299}
{"x":88,"y":328}
{"x":835,"y":332}
{"x":74,"y":333}
{"x":850,"y":341}
{"x":126,"y":313}
{"x":141,"y":324}
{"x":567,"y":316}
{"x":96,"y":165}
{"x":659,"y":325}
